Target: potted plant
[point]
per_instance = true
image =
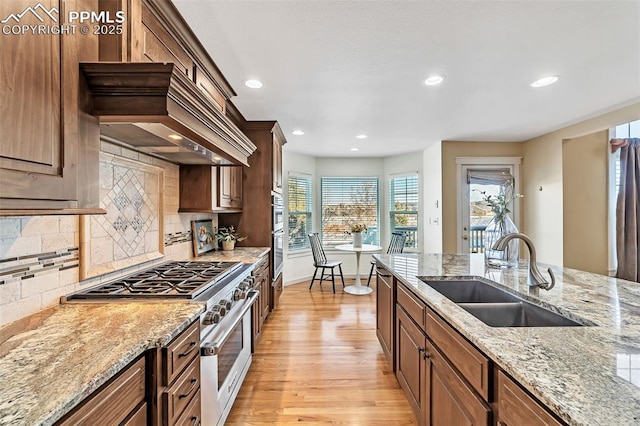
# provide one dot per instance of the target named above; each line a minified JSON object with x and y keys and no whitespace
{"x":228,"y":237}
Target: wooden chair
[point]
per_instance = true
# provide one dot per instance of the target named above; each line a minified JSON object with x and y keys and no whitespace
{"x":396,"y":245}
{"x":320,"y":261}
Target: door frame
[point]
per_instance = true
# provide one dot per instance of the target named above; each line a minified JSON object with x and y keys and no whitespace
{"x":465,"y":163}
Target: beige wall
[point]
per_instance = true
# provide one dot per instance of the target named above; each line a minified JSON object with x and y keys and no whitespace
{"x":585,"y":201}
{"x":451,"y":150}
{"x":543,"y":215}
{"x":432,"y":196}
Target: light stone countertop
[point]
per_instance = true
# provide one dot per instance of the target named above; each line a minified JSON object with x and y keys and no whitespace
{"x":60,"y":356}
{"x":587,"y":375}
{"x":239,"y":254}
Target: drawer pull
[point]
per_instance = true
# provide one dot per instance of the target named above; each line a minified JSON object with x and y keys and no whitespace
{"x":195,"y":421}
{"x":421,"y":349}
{"x":192,"y":346}
{"x":194,"y":382}
{"x":426,"y":355}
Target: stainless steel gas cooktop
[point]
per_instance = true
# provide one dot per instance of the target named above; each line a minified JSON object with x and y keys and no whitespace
{"x":169,"y":280}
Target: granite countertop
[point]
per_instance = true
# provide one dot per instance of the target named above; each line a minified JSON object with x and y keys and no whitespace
{"x":239,"y":254}
{"x":58,"y":357}
{"x":587,"y":375}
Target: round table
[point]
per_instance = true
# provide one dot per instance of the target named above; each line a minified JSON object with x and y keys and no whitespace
{"x":358,"y":288}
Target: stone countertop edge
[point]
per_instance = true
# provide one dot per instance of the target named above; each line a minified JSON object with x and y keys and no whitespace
{"x":239,"y":254}
{"x":572,"y":370}
{"x":46,"y":370}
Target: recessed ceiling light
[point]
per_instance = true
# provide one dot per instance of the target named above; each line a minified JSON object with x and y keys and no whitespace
{"x":361,"y":136}
{"x":297,"y":132}
{"x":175,"y":137}
{"x":354,"y":149}
{"x":253,"y":84}
{"x":217,"y":158}
{"x":545,"y":81}
{"x":434,"y":80}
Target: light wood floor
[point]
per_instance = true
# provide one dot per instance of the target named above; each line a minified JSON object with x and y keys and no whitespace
{"x":319,"y":362}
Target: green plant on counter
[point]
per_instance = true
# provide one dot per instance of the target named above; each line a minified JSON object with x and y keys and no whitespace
{"x":229,"y":234}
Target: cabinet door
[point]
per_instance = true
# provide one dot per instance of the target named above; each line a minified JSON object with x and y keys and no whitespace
{"x":384,"y":310}
{"x":230,"y":187}
{"x":516,"y":407}
{"x":266,"y":288}
{"x":277,"y":165}
{"x":449,"y":399}
{"x":39,"y":112}
{"x":410,"y":363}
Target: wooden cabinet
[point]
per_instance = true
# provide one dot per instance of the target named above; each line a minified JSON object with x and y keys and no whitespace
{"x":179,"y":388}
{"x":49,"y":144}
{"x":209,"y":189}
{"x":230,"y":187}
{"x":410,"y":363}
{"x":278,"y":142}
{"x":260,"y":310}
{"x":119,"y":401}
{"x":261,"y":181}
{"x":276,"y":290}
{"x":385,"y":308}
{"x":516,"y":407}
{"x":438,"y":392}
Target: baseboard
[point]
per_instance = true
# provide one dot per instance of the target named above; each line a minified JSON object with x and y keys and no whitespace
{"x":307,"y":278}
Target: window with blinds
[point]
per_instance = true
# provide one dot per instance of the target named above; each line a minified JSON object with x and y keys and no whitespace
{"x":300,"y":223}
{"x":348,"y":201}
{"x":403,"y":208}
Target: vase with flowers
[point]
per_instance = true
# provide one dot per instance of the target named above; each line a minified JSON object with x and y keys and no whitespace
{"x":500,"y":225}
{"x":356,"y":232}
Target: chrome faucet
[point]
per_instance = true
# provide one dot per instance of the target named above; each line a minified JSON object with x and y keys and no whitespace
{"x":535,"y":276}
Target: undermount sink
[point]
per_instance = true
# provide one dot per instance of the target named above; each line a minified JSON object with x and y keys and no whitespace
{"x":496,"y":307}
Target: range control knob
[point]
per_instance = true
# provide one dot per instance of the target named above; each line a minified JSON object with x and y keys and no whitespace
{"x":211,"y":317}
{"x":221,"y":309}
{"x":239,"y":294}
{"x":244,"y":285}
{"x":250,"y":280}
{"x":226,"y":304}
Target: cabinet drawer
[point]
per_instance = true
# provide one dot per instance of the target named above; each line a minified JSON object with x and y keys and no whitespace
{"x":180,"y":352}
{"x":261,"y":266}
{"x":112,"y":404}
{"x":468,"y":360}
{"x":414,"y":307}
{"x":176,"y":398}
{"x":192,"y":414}
{"x":138,"y":418}
{"x":516,"y":407}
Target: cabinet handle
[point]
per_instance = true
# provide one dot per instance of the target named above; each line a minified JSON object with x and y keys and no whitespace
{"x":192,"y":346}
{"x":426,"y":355}
{"x":421,"y":349}
{"x":195,"y":421}
{"x":194,"y":382}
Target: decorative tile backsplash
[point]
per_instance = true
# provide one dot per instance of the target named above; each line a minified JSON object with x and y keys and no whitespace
{"x":132,"y":230}
{"x":35,"y":265}
{"x":177,"y":237}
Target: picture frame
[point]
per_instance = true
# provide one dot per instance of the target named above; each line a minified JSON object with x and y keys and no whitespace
{"x":203,"y":237}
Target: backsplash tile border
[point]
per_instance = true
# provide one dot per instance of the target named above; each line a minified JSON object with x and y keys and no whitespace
{"x":19,"y":268}
{"x":177,"y":237}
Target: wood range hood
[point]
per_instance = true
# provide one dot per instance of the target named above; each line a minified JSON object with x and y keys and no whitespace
{"x":156,"y":109}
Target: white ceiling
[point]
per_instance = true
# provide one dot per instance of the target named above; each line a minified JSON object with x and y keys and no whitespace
{"x":340,"y":68}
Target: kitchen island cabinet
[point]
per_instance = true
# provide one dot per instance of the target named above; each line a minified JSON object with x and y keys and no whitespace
{"x":525,"y":375}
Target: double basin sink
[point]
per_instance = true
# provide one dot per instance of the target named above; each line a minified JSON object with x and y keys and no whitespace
{"x":496,"y":307}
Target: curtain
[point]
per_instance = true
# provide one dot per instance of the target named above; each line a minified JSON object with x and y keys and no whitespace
{"x":628,"y":210}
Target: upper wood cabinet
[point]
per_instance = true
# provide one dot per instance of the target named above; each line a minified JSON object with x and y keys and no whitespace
{"x":230,"y":187}
{"x":49,"y":148}
{"x":208,"y":189}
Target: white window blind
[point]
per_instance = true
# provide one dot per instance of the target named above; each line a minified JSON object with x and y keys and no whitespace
{"x":347,"y":201}
{"x":403,"y":208}
{"x":299,"y":202}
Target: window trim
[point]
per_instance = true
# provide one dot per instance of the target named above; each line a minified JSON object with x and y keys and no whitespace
{"x":309,"y":178}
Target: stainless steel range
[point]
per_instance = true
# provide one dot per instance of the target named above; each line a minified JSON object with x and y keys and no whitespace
{"x":225,"y":326}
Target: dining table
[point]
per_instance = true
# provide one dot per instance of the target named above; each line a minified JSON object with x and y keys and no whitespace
{"x":358,"y":288}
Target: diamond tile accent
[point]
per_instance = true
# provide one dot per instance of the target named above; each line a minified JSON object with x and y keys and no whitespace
{"x":130,"y":214}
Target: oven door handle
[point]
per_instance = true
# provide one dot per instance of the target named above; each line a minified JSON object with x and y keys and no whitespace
{"x":212,"y":349}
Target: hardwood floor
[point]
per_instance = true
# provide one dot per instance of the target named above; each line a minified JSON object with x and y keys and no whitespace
{"x":319,"y":362}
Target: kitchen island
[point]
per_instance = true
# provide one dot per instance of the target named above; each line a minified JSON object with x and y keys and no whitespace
{"x":586,"y":375}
